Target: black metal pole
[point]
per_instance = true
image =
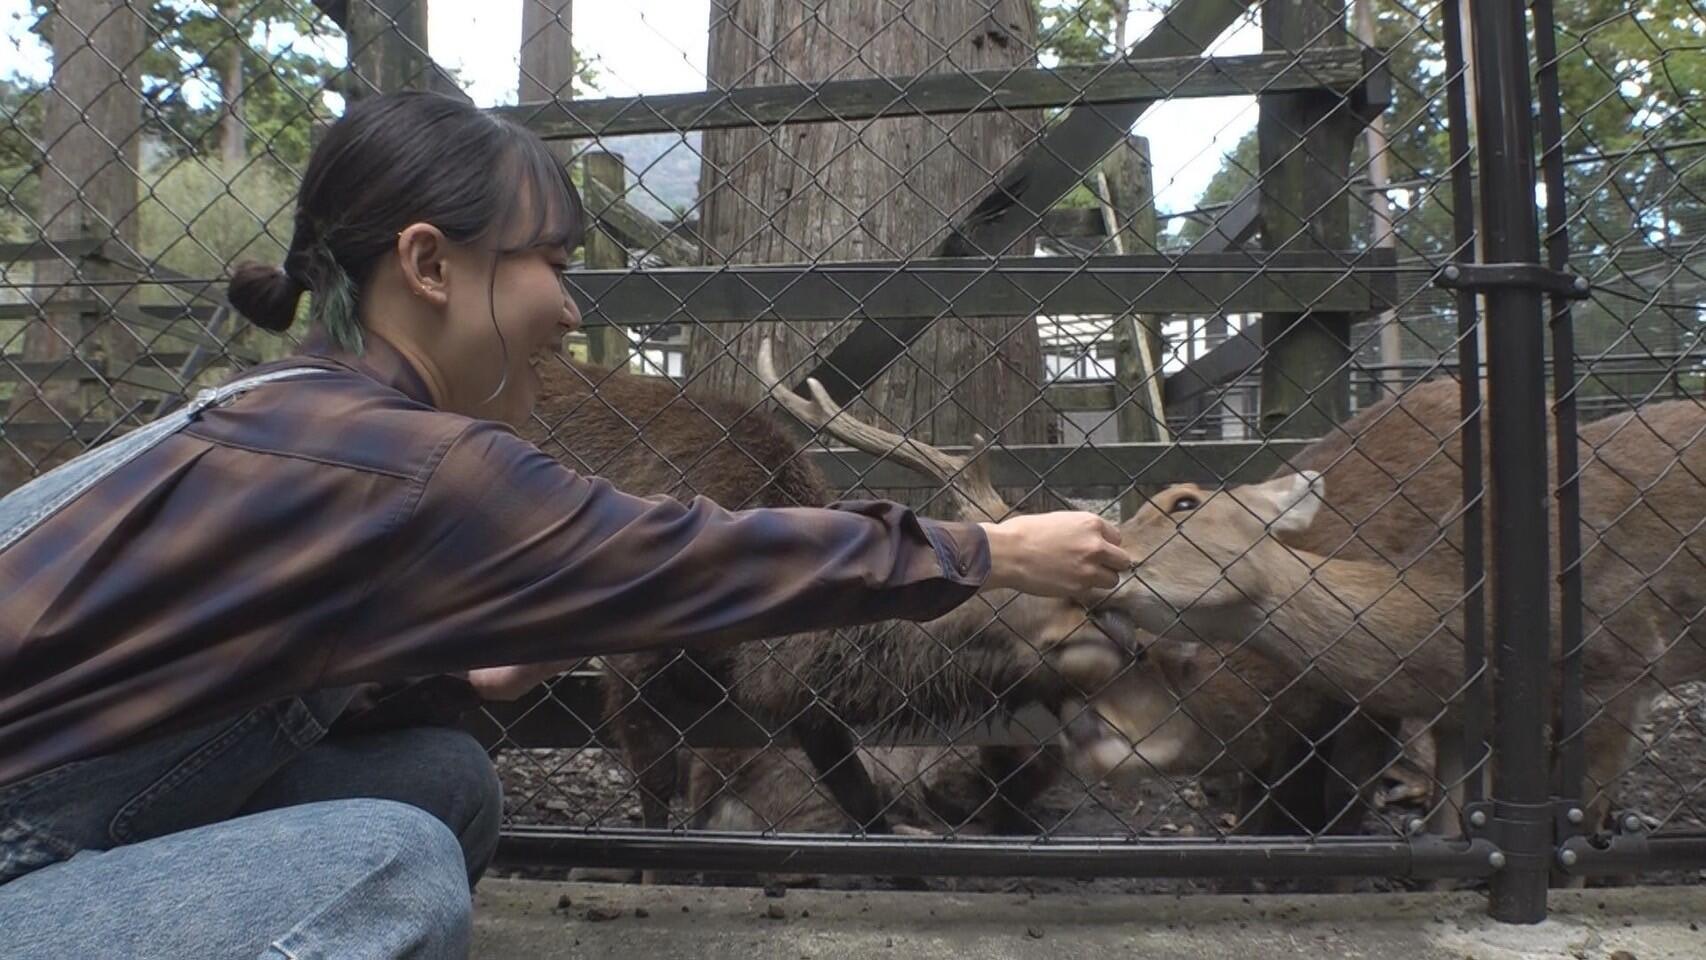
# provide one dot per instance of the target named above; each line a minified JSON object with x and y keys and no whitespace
{"x":1469,"y":382}
{"x":1571,"y":745}
{"x":1516,"y":387}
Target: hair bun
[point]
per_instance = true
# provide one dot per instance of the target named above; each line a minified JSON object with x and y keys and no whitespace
{"x":265,"y":295}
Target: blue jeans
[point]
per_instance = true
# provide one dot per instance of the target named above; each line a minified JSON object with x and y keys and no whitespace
{"x":255,"y":836}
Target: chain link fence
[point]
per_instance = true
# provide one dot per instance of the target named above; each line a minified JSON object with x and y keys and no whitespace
{"x":1033,"y":253}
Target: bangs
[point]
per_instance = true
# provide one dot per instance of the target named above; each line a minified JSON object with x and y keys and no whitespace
{"x":544,"y":208}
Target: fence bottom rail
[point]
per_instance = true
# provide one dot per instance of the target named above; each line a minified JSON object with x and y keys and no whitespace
{"x":1418,"y":857}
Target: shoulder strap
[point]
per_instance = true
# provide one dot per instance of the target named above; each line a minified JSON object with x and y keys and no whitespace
{"x":25,"y":508}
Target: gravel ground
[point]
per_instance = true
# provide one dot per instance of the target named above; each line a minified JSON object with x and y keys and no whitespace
{"x":591,"y":787}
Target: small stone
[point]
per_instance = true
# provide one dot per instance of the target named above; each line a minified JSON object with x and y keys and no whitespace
{"x":1622,"y":955}
{"x":775,"y":912}
{"x":889,"y":942}
{"x":804,"y":914}
{"x":684,"y":909}
{"x":776,"y":890}
{"x":563,"y":902}
{"x":601,"y":914}
{"x":642,"y":912}
{"x":1033,"y":933}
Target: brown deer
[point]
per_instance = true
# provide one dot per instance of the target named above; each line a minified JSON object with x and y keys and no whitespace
{"x":1307,"y":760}
{"x":1359,"y":596}
{"x":993,"y":655}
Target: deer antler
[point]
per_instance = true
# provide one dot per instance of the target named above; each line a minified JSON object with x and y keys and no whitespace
{"x":967,"y":477}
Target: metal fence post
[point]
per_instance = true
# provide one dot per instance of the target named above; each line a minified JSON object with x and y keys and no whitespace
{"x":1516,"y":355}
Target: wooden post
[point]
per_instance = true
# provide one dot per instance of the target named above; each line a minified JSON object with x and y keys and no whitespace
{"x":607,"y":346}
{"x":88,"y":192}
{"x":1304,"y":141}
{"x":1129,"y":197}
{"x":388,"y":49}
{"x":547,"y":51}
{"x":1391,"y":328}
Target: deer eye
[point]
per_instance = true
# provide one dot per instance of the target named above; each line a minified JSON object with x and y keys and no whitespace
{"x":1183,"y":504}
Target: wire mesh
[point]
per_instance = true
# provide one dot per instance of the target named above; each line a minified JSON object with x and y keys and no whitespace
{"x":1095,"y":249}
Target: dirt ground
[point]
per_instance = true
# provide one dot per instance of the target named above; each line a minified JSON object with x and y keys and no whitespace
{"x":591,"y":787}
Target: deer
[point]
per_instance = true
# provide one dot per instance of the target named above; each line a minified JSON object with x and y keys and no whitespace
{"x":1185,"y":713}
{"x":1359,"y":596}
{"x":991,"y":656}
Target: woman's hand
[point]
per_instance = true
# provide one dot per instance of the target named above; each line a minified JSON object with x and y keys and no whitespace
{"x":508,"y":683}
{"x":1063,"y":554}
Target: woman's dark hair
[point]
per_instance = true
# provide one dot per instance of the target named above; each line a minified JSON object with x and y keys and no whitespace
{"x":391,"y":161}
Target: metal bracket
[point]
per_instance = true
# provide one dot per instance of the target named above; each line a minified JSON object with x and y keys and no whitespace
{"x":1522,"y":276}
{"x":1570,"y":818}
{"x":1624,"y":850}
{"x":1478,"y":820}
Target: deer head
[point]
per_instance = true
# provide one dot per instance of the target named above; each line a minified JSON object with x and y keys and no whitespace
{"x":1197,"y":551}
{"x":1126,"y":722}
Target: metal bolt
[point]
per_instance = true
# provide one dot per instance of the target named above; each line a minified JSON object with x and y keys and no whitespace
{"x":1631,"y":822}
{"x":1567,"y":857}
{"x":1496,"y":860}
{"x":1416,"y":825}
{"x":1581,"y":284}
{"x":1575,"y":815}
{"x":1478,"y":818}
{"x":1451,"y":273}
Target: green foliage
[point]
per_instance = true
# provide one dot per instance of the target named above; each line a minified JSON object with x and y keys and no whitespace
{"x":198,"y":216}
{"x":21,"y":106}
{"x":1077,"y":31}
{"x":189,"y":48}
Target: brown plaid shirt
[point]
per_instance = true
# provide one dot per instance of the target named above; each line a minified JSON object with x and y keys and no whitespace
{"x":337,"y":529}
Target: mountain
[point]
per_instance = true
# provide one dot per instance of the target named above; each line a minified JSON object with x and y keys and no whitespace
{"x":663,"y":170}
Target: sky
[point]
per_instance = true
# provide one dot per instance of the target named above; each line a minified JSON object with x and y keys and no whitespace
{"x":658,"y":46}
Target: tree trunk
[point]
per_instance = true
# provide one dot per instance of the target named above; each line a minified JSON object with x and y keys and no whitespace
{"x":88,"y":192}
{"x":885,"y":189}
{"x":232,"y":142}
{"x":547,"y":50}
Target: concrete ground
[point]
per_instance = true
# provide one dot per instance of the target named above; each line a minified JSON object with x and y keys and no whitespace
{"x":538,"y":920}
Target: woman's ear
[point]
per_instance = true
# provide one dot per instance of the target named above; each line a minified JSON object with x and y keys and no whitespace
{"x":421,"y":253}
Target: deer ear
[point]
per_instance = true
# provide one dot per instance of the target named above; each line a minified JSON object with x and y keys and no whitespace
{"x":1288,"y":504}
{"x":1296,"y":498}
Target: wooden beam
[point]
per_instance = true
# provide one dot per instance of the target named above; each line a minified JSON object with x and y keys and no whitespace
{"x":1127,"y":179}
{"x":1032,"y":184}
{"x":1087,"y":465}
{"x":1233,"y":228}
{"x":144,"y":376}
{"x":162,"y":312}
{"x":1305,"y":149}
{"x":69,"y":248}
{"x":1094,"y":396}
{"x":607,"y":346}
{"x":628,"y":223}
{"x":1236,"y":356}
{"x":922,"y":290}
{"x":978,"y":91}
{"x":1071,"y":223}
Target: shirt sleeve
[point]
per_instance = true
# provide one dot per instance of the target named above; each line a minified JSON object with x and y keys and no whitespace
{"x":510,"y":557}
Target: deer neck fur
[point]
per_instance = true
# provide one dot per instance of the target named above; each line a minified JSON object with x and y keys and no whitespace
{"x":1363,"y":632}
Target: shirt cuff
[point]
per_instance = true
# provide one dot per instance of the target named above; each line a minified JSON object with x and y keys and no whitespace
{"x":962,"y":548}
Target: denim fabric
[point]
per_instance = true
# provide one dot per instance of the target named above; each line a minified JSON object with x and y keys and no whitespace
{"x":348,"y":879}
{"x":250,"y":835}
